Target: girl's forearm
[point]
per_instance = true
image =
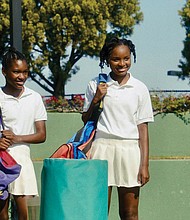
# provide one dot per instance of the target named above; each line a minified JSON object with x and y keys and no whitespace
{"x":144,"y":143}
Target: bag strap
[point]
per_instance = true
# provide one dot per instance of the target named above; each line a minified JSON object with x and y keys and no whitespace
{"x":102,"y":78}
{"x":1,"y":120}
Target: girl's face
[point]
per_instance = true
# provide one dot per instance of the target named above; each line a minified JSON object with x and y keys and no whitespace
{"x":120,"y":60}
{"x":16,"y":74}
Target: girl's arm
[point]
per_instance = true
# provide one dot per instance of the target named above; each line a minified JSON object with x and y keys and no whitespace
{"x":38,"y":137}
{"x":143,"y":176}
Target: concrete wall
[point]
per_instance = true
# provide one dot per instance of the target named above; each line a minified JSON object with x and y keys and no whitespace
{"x":169,"y":136}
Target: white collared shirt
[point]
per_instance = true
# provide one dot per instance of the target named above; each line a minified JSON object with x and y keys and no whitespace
{"x":124,"y":107}
{"x":19,"y":114}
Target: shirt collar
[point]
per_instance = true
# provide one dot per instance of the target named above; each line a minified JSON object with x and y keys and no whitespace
{"x":26,"y":92}
{"x":129,"y":83}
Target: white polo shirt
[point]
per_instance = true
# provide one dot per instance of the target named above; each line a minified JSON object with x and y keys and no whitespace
{"x":124,"y":107}
{"x":19,"y":114}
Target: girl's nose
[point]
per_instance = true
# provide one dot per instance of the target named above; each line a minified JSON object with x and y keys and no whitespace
{"x":122,"y":63}
{"x":22,"y":75}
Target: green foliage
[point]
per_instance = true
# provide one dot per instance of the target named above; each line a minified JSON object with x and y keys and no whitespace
{"x":4,"y":25}
{"x":179,"y":105}
{"x":61,"y":104}
{"x":185,"y":21}
{"x":57,"y":34}
{"x":162,"y":103}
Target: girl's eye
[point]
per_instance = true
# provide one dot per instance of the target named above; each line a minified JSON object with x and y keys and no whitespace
{"x":19,"y":72}
{"x":115,"y":59}
{"x":16,"y":72}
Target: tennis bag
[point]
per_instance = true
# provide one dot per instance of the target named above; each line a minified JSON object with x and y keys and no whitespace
{"x":9,"y":168}
{"x":74,"y":190}
{"x":79,"y":145}
{"x":9,"y":171}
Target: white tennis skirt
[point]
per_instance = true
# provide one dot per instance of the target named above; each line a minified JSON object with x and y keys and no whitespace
{"x":26,"y":183}
{"x":123,"y":158}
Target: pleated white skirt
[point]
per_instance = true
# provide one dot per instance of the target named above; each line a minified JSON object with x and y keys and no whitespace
{"x":123,"y":158}
{"x":26,"y":183}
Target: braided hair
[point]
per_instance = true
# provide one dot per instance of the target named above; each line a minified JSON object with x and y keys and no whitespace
{"x":110,"y":45}
{"x":10,"y":55}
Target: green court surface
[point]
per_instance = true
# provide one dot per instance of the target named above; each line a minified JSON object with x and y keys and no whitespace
{"x":166,"y":196}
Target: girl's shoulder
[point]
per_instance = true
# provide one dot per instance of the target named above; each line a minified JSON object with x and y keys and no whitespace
{"x":94,"y":80}
{"x":101,"y":77}
{"x":137,"y":83}
{"x":32,"y":95}
{"x":92,"y":84}
{"x":31,"y":91}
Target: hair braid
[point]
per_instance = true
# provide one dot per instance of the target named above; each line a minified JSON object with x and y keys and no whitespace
{"x":10,"y":55}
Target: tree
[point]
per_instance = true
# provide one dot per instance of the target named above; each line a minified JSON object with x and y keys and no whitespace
{"x":185,"y":21}
{"x":4,"y":26}
{"x":58,"y":33}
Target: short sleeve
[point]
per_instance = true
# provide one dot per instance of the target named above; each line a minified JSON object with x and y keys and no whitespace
{"x":145,"y":111}
{"x":90,"y":92}
{"x":40,"y":110}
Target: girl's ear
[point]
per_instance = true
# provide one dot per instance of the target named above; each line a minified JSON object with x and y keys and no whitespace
{"x":3,"y":71}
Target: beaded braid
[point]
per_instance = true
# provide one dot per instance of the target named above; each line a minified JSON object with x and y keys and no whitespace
{"x":10,"y":55}
{"x":110,"y":45}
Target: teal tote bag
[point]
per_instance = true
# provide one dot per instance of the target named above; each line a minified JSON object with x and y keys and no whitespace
{"x":74,"y":190}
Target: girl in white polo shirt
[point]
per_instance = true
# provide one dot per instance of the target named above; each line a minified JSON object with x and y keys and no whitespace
{"x":24,"y":117}
{"x":122,"y":129}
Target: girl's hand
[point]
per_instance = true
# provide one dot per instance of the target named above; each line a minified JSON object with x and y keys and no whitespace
{"x":10,"y":136}
{"x":143,"y":176}
{"x":100,"y":92}
{"x":4,"y":143}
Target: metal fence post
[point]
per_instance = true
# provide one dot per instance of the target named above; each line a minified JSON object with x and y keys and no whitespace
{"x":16,"y":24}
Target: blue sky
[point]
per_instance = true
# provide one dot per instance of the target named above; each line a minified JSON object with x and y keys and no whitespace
{"x":159,"y":41}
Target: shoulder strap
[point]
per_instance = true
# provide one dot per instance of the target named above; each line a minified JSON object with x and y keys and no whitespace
{"x":103,"y":78}
{"x":1,"y":120}
{"x":98,"y":109}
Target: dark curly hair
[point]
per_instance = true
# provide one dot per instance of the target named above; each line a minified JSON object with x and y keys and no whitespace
{"x":110,"y":45}
{"x":10,"y":55}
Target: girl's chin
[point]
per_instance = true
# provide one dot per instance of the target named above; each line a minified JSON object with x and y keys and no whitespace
{"x":121,"y":73}
{"x":19,"y":87}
